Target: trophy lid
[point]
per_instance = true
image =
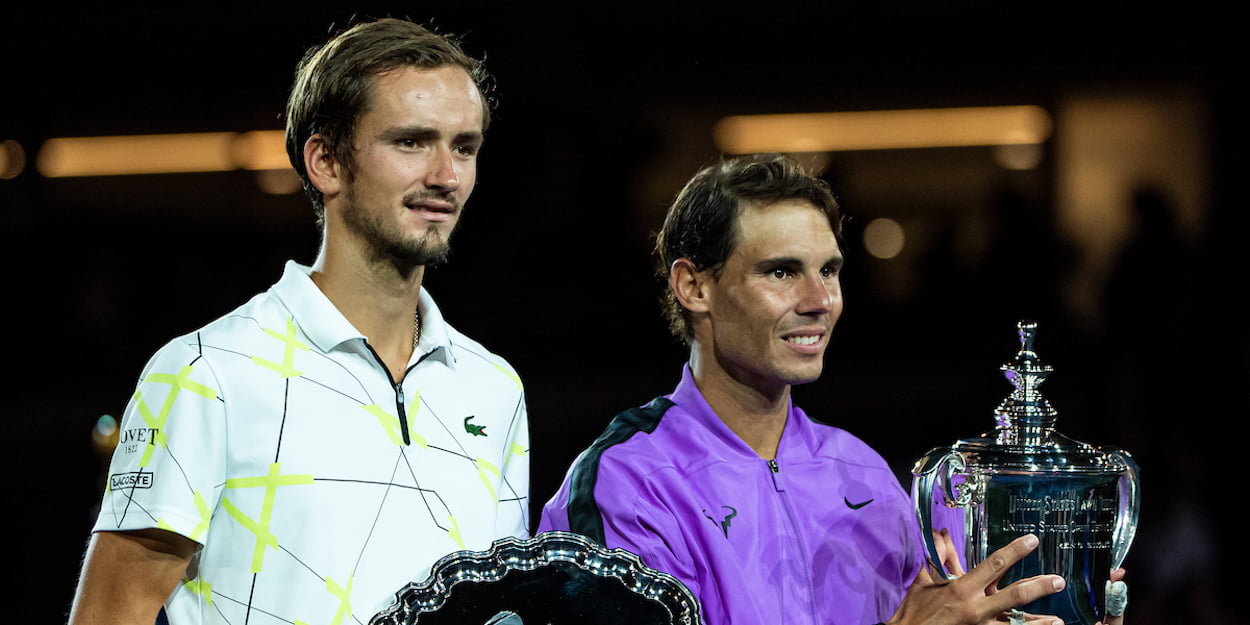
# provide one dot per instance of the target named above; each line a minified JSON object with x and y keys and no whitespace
{"x":1025,"y":439}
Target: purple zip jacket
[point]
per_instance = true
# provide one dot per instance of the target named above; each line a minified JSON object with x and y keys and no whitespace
{"x":823,"y":535}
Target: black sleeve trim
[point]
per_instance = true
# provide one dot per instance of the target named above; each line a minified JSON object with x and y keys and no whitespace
{"x":584,"y":516}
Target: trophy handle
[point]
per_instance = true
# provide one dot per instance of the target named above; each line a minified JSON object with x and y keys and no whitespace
{"x":1130,"y":506}
{"x":937,"y":466}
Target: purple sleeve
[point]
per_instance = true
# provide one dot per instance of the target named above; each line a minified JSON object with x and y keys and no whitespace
{"x":555,"y":514}
{"x":634,"y":519}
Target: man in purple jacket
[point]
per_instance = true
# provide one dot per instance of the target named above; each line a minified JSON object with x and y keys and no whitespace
{"x":767,"y":515}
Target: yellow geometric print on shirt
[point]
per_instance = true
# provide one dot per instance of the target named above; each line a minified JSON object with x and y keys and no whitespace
{"x":484,"y":467}
{"x":286,"y":369}
{"x":260,"y":527}
{"x":454,"y":532}
{"x":390,"y":422}
{"x":345,"y":599}
{"x":206,"y":515}
{"x":200,"y":587}
{"x":156,"y":422}
{"x":512,"y":376}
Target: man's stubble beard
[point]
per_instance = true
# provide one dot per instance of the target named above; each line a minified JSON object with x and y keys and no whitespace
{"x":389,"y":245}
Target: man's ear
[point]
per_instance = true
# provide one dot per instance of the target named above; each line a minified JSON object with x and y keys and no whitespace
{"x":689,"y":285}
{"x":323,"y":171}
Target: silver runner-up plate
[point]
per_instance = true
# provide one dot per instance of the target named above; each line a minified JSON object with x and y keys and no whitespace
{"x":554,"y":578}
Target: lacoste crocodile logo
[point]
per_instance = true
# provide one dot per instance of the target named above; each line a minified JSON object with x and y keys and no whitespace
{"x":725,"y":522}
{"x":476,"y":430}
{"x":856,"y":506}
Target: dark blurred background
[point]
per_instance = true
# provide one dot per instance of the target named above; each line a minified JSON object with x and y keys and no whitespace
{"x":1122,"y":234}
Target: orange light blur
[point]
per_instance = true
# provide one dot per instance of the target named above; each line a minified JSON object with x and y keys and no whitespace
{"x":883,"y":130}
{"x":162,"y":154}
{"x":12,"y":159}
{"x":261,"y":150}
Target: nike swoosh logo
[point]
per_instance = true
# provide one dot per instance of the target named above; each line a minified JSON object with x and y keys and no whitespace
{"x":856,"y":506}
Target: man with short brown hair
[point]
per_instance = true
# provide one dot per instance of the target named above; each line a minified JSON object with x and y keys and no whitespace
{"x":302,"y":458}
{"x":766,"y":514}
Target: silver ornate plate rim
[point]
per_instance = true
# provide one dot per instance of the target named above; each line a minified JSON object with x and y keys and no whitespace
{"x":516,"y":554}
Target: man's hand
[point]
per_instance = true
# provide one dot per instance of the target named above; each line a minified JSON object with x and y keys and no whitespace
{"x":1116,"y":576}
{"x":975,"y":598}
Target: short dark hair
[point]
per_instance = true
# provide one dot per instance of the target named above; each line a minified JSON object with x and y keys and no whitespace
{"x":702,"y":224}
{"x":334,"y":81}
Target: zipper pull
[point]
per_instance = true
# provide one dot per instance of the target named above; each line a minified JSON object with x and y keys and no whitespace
{"x":775,"y":472}
{"x":403,"y":412}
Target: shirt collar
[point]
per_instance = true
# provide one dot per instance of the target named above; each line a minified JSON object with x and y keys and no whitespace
{"x":435,"y":337}
{"x":690,"y":398}
{"x":327,"y":328}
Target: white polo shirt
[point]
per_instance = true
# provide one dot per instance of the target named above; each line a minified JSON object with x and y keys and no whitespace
{"x":272,"y":436}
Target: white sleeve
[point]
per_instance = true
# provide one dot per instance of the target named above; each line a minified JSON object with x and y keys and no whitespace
{"x":169,"y":467}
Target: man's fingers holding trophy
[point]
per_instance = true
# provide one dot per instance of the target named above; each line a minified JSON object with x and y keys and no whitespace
{"x":1117,"y":598}
{"x":949,"y":556}
{"x":984,"y":578}
{"x":974,"y":598}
